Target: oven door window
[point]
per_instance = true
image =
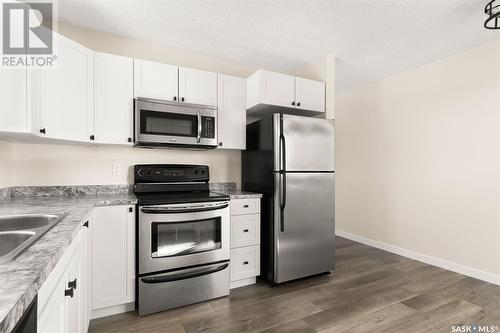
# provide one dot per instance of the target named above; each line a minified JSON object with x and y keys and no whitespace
{"x":182,"y":238}
{"x":167,"y":123}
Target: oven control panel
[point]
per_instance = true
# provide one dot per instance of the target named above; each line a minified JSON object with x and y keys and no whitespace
{"x":164,"y":173}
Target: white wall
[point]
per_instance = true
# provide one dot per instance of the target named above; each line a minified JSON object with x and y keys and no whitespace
{"x":53,"y":164}
{"x":35,"y":164}
{"x":418,"y":160}
{"x":5,"y":164}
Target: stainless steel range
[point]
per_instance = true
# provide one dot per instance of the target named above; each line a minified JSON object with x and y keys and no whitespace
{"x":182,"y":237}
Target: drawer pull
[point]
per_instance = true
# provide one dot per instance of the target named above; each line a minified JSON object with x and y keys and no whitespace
{"x":245,"y":230}
{"x":245,"y":262}
{"x":245,"y":206}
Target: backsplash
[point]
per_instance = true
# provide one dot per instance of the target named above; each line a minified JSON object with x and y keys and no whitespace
{"x":68,"y":191}
{"x":81,"y":190}
{"x":222,"y":186}
{"x":5,"y":193}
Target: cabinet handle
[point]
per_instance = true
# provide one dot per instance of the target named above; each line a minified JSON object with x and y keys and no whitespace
{"x":72,"y":284}
{"x":293,"y":103}
{"x":245,"y":230}
{"x":92,"y":137}
{"x":298,"y":104}
{"x":220,"y":144}
{"x":43,"y":131}
{"x":86,"y":224}
{"x":69,"y":292}
{"x":131,"y":210}
{"x":129,"y":140}
{"x":182,"y":99}
{"x":245,"y":262}
{"x":175,"y":98}
{"x":245,"y":206}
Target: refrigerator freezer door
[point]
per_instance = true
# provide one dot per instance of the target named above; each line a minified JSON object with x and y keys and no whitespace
{"x":304,"y":230}
{"x":303,"y":143}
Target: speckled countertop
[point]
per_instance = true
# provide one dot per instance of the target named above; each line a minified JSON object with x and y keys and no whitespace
{"x":21,"y":279}
{"x":237,"y":194}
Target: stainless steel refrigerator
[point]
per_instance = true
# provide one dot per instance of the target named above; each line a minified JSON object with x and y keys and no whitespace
{"x":289,"y":159}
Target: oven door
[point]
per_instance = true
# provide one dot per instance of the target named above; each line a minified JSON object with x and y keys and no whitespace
{"x":173,"y":123}
{"x":181,"y":235}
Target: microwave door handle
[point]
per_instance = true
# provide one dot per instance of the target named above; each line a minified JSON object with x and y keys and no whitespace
{"x":198,"y":136}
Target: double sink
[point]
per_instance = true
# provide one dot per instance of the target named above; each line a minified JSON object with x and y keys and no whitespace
{"x":18,"y":232}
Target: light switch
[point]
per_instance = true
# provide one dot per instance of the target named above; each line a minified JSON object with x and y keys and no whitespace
{"x":117,"y":169}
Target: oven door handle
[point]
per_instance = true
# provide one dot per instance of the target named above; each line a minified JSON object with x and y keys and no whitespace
{"x":184,"y":274}
{"x":198,"y":136}
{"x":183,"y":209}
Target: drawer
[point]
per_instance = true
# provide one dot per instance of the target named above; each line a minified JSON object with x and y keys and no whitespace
{"x":245,"y":262}
{"x":245,"y":230}
{"x":245,"y":206}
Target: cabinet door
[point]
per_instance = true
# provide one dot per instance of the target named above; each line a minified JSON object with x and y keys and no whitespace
{"x":155,"y":80}
{"x":231,"y":115}
{"x":61,"y":96}
{"x":113,"y":256}
{"x":113,"y":98}
{"x":197,"y":87}
{"x":13,"y":110}
{"x":277,"y":89}
{"x":54,"y":317}
{"x":310,"y":95}
{"x":75,"y":304}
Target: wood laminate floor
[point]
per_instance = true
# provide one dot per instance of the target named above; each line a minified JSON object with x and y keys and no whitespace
{"x":370,"y":291}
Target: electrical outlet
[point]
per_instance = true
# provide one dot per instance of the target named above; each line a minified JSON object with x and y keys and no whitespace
{"x":117,"y":169}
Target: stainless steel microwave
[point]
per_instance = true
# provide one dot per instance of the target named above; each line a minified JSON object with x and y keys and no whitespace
{"x":160,"y":123}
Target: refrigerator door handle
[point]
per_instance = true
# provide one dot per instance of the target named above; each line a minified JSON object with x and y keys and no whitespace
{"x":282,"y":177}
{"x":282,"y":201}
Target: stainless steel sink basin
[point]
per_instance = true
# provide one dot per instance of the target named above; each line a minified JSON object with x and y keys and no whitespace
{"x":18,"y":232}
{"x":10,"y":240}
{"x":18,"y":222}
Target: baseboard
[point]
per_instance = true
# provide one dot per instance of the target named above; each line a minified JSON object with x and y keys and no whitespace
{"x":451,"y":266}
{"x":241,"y":283}
{"x":112,"y":310}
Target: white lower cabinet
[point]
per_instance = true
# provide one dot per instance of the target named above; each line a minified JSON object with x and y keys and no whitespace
{"x":61,"y":299}
{"x":245,"y":262}
{"x":245,"y":241}
{"x":97,"y":271}
{"x":113,"y":259}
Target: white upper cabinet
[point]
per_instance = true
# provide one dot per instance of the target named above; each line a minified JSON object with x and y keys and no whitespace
{"x":271,"y":92}
{"x":61,"y":97}
{"x":309,"y":94}
{"x":155,"y":80}
{"x":277,"y":89}
{"x":113,"y":99}
{"x":231,"y":112}
{"x":197,"y":87}
{"x":13,"y":110}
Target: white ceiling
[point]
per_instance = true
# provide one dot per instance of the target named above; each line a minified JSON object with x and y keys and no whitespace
{"x":372,"y":39}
